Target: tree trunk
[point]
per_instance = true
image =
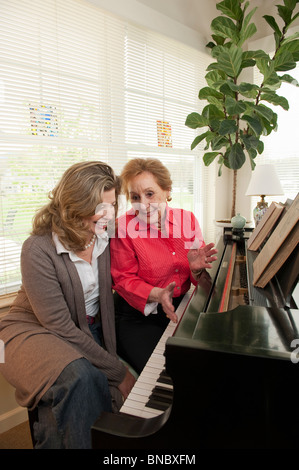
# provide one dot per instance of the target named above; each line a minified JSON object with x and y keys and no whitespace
{"x":233,"y":211}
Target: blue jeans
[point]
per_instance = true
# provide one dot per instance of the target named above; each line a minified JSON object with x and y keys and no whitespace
{"x":71,"y":406}
{"x":96,"y":331}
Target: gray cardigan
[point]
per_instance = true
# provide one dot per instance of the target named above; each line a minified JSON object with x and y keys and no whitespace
{"x":46,"y":327}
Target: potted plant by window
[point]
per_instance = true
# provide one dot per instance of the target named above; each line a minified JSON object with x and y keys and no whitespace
{"x":237,"y":112}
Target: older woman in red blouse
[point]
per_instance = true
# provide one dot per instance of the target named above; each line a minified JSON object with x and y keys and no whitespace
{"x":156,"y":253}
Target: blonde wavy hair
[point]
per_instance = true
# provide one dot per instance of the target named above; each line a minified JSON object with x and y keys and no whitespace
{"x":74,"y":199}
{"x":152,"y":165}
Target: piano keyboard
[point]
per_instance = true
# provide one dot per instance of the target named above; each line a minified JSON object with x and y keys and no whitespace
{"x":152,"y":392}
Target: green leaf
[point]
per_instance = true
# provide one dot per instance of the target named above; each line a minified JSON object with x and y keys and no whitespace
{"x":285,"y":13}
{"x":271,"y":22}
{"x":247,"y":33}
{"x":211,"y":112}
{"x":225,"y":27}
{"x":288,"y":79}
{"x":214,"y":125}
{"x":234,"y":107}
{"x":195,"y":120}
{"x":227,"y":127}
{"x":206,"y":92}
{"x":290,"y":46}
{"x":218,"y":142}
{"x":252,"y":154}
{"x":230,"y":8}
{"x":209,"y":157}
{"x":247,"y":63}
{"x":291,"y":38}
{"x":253,"y":123}
{"x":233,"y":86}
{"x":220,"y":168}
{"x":284,"y":61}
{"x":260,"y":147}
{"x":213,"y":77}
{"x":270,"y":76}
{"x":275,"y":99}
{"x":291,"y":4}
{"x":267,"y":126}
{"x":219,"y":40}
{"x":227,"y":90}
{"x":264,"y":111}
{"x":236,"y":157}
{"x":213,"y":66}
{"x":209,"y":138}
{"x":248,"y":17}
{"x":230,"y":60}
{"x":258,"y":54}
{"x":248,"y":89}
{"x":272,"y":81}
{"x":250,"y":141}
{"x":198,"y":139}
{"x":210,"y":45}
{"x":265,"y":66}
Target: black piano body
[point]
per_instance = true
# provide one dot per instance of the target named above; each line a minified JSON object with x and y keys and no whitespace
{"x":235,"y":373}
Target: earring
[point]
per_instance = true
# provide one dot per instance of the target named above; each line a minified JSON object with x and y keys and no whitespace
{"x":169,"y":198}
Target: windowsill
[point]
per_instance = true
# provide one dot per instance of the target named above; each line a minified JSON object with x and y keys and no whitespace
{"x":5,"y":303}
{"x":7,"y":300}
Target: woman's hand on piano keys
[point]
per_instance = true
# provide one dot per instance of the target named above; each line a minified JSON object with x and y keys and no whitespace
{"x":127,"y":384}
{"x":201,"y":258}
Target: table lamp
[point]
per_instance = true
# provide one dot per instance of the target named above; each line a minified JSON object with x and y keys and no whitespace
{"x":264,"y":182}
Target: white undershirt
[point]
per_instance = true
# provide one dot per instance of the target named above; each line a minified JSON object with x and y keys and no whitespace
{"x":88,"y":273}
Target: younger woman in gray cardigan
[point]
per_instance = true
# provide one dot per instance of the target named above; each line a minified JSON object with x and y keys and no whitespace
{"x":51,"y":356}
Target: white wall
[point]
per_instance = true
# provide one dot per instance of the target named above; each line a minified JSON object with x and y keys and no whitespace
{"x":143,"y":15}
{"x":11,"y":414}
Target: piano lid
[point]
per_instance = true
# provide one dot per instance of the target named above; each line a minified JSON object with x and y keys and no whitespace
{"x":255,"y":331}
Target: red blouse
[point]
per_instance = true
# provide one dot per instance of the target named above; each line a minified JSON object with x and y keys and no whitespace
{"x":143,"y":257}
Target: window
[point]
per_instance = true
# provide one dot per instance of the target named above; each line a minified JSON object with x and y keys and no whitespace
{"x":76,"y":84}
{"x":281,"y":147}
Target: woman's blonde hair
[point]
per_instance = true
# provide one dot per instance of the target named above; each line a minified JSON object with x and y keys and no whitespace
{"x":74,"y":199}
{"x":152,"y":165}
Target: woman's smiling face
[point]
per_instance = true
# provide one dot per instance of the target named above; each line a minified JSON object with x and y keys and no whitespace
{"x":147,"y":197}
{"x":105,"y":211}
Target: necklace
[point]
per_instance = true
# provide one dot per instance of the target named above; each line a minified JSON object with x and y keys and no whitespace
{"x":93,"y":239}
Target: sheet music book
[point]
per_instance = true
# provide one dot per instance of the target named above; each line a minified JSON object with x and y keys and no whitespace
{"x":278,"y":247}
{"x":267,"y":223}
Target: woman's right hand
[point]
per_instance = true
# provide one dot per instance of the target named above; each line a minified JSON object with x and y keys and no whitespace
{"x":127,"y":384}
{"x":164,"y":297}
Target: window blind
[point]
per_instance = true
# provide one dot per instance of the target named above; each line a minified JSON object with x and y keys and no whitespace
{"x":281,"y":147}
{"x":77,"y":83}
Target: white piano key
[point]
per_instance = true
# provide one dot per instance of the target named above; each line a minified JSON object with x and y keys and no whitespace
{"x":139,"y":391}
{"x":143,"y":413}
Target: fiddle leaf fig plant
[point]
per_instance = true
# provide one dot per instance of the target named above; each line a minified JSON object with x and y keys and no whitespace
{"x":237,"y":113}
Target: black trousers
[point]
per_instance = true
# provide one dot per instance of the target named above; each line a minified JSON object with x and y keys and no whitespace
{"x":137,"y":334}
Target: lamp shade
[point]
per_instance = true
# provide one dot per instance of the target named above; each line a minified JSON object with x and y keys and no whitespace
{"x":264,"y":181}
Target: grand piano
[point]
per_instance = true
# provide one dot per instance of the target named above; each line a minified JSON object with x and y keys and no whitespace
{"x":225,"y":377}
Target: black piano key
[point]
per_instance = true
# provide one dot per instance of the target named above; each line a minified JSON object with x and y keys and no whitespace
{"x":164,"y":378}
{"x":160,"y":398}
{"x":157,"y":404}
{"x":162,"y":392}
